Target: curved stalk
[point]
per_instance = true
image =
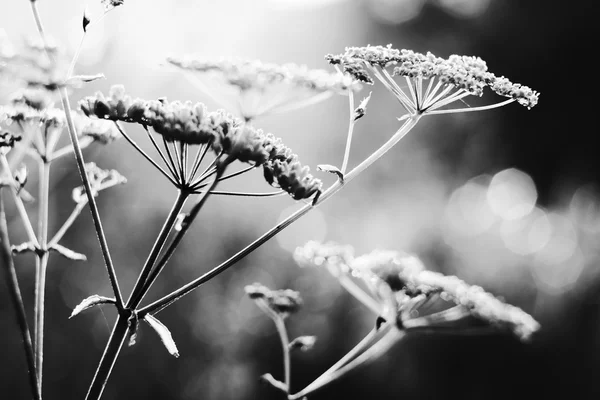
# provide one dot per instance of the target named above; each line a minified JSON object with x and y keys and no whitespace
{"x":334,"y":188}
{"x":285,"y":345}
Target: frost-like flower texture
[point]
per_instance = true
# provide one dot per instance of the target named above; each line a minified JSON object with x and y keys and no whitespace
{"x":282,"y":302}
{"x":260,"y":88}
{"x":403,"y":284}
{"x":335,"y":257}
{"x":449,"y":80}
{"x":292,"y":177}
{"x":38,"y":99}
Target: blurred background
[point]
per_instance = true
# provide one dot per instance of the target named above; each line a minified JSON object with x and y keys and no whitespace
{"x":508,"y":199}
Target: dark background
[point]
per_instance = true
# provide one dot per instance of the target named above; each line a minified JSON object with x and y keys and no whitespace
{"x":400,"y":204}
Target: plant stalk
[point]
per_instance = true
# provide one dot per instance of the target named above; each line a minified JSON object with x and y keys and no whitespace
{"x":17,"y":300}
{"x":41,"y":267}
{"x":191,"y":286}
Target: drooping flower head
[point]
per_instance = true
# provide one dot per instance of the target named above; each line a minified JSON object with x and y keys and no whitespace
{"x":432,"y":82}
{"x":255,"y":88}
{"x":100,"y":179}
{"x":414,"y":298}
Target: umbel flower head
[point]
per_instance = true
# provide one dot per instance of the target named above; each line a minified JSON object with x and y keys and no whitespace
{"x":431,"y":82}
{"x":414,"y":298}
{"x":100,"y":179}
{"x":274,"y":302}
{"x":32,"y":113}
{"x":184,"y":124}
{"x":255,"y":88}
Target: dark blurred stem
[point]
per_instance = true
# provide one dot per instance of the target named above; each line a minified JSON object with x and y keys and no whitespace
{"x":181,"y":233}
{"x":285,"y":345}
{"x":182,"y":291}
{"x":41,"y":267}
{"x":111,"y":352}
{"x":138,"y":290}
{"x":17,"y":300}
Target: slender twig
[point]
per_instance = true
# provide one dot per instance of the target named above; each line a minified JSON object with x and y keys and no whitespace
{"x":181,"y":233}
{"x":482,"y":108}
{"x":374,"y":352}
{"x":160,"y":153}
{"x":334,"y":188}
{"x":246,"y":194}
{"x":41,"y":267}
{"x":31,"y":235}
{"x":137,"y":292}
{"x":67,"y":224}
{"x":350,"y":130}
{"x":359,"y":294}
{"x":144,"y":154}
{"x":17,"y":300}
{"x":285,"y":345}
{"x":174,"y":168}
{"x":64,"y":97}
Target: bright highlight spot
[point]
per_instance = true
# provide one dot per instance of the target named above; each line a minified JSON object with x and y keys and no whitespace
{"x":512,"y":194}
{"x":527,"y":235}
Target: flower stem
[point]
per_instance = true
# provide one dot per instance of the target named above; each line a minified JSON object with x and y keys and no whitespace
{"x":41,"y":267}
{"x":350,"y":130}
{"x":111,"y":352}
{"x":334,"y":188}
{"x":138,"y":293}
{"x":17,"y":300}
{"x":285,"y":345}
{"x":67,"y":224}
{"x":374,"y":352}
{"x":64,"y":97}
{"x":181,"y":233}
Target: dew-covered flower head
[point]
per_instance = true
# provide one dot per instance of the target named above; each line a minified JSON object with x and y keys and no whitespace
{"x":431,"y":82}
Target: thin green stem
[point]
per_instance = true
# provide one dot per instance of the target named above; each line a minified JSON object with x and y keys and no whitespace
{"x":145,"y":155}
{"x":350,"y":130}
{"x":64,"y":97}
{"x":246,"y":194}
{"x":138,"y":293}
{"x":374,"y":352}
{"x":67,"y":224}
{"x":17,"y":300}
{"x":41,"y":267}
{"x":181,"y":233}
{"x":109,"y":357}
{"x":334,"y":188}
{"x":482,"y":108}
{"x":359,"y":294}
{"x":285,"y":345}
{"x":31,"y":236}
{"x":160,"y":153}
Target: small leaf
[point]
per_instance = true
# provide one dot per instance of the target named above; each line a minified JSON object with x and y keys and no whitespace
{"x":404,"y":117}
{"x":77,"y":80}
{"x":163,"y":333}
{"x":268,"y":378}
{"x":26,"y":247}
{"x":110,"y":4}
{"x":68,"y":253}
{"x":360,"y":111}
{"x":86,"y":20}
{"x":331,"y":169}
{"x":303,"y":343}
{"x":91,"y":301}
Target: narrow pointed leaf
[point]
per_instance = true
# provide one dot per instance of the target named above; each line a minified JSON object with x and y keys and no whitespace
{"x":86,"y":20}
{"x":79,"y":79}
{"x":91,"y":301}
{"x":163,"y":333}
{"x":268,"y":378}
{"x":331,"y":169}
{"x":303,"y":343}
{"x":68,"y":253}
{"x":360,"y":111}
